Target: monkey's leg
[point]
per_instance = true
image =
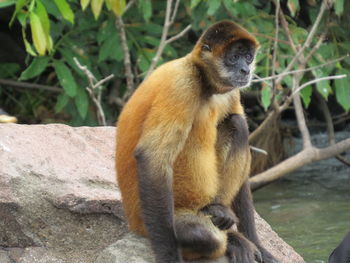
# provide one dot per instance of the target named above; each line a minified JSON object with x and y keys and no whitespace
{"x":234,"y":162}
{"x":198,"y":237}
{"x":244,"y":209}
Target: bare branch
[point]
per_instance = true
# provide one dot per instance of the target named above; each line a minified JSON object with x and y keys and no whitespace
{"x":307,"y":41}
{"x":304,"y":157}
{"x":27,"y":85}
{"x":317,"y":80}
{"x":179,"y":35}
{"x":129,"y":4}
{"x":163,"y":40}
{"x":300,"y":114}
{"x":95,"y":91}
{"x":102,"y":81}
{"x":299,"y":70}
{"x":275,"y":47}
{"x":173,"y":16}
{"x":329,"y":124}
{"x":127,"y":61}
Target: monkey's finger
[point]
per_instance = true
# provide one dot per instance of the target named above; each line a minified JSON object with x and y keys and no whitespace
{"x":258,"y":256}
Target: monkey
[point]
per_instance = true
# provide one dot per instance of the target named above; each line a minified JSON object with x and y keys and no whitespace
{"x":182,"y":154}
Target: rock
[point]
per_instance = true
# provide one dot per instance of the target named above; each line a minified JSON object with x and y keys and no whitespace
{"x":59,"y":201}
{"x":137,"y":249}
{"x":58,"y":197}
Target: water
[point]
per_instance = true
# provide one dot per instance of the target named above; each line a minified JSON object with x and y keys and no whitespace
{"x":310,"y":209}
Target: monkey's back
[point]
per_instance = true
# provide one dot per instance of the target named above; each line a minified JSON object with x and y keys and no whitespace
{"x":129,"y":130}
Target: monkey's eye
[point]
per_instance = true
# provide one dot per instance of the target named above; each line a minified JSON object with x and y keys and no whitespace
{"x":249,"y":58}
{"x":206,"y":47}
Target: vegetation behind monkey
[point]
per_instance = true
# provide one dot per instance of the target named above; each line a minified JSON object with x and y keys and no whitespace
{"x":183,"y":157}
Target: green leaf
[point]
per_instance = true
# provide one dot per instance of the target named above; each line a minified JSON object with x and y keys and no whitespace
{"x":144,"y":59}
{"x":84,"y":4}
{"x":323,"y":87}
{"x":266,"y":97}
{"x":146,"y":9}
{"x":339,"y":7}
{"x":66,"y":78}
{"x":293,"y":6}
{"x":65,"y":10}
{"x":27,"y":45}
{"x":37,"y":66}
{"x":44,"y":19}
{"x":82,"y":102}
{"x":194,"y":3}
{"x":38,"y":34}
{"x":305,"y":94}
{"x":19,"y":6}
{"x":111,"y":49}
{"x":230,"y":6}
{"x":9,"y":70}
{"x":342,"y":90}
{"x":96,"y":7}
{"x":213,"y":7}
{"x":118,"y":6}
{"x":5,"y":3}
{"x":62,"y":101}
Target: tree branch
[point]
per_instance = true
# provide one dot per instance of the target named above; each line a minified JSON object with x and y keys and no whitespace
{"x":300,"y":114}
{"x":130,"y":86}
{"x":304,"y":157}
{"x":300,"y":70}
{"x":307,"y":41}
{"x":27,"y":85}
{"x":95,"y":90}
{"x":168,"y":21}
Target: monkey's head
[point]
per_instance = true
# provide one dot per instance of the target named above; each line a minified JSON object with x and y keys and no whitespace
{"x":225,"y":55}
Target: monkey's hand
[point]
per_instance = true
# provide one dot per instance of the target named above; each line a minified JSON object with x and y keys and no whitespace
{"x":223,"y":217}
{"x":266,"y":255}
{"x":241,"y":250}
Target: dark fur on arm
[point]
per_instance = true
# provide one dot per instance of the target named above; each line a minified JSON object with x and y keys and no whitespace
{"x":244,"y":209}
{"x":157,"y":209}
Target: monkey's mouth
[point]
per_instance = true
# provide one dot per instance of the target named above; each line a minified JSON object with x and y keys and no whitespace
{"x":239,"y":83}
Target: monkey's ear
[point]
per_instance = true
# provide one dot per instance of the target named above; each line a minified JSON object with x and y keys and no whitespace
{"x":206,"y":47}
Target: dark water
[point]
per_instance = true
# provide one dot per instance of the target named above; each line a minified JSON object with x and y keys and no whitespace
{"x":310,"y":209}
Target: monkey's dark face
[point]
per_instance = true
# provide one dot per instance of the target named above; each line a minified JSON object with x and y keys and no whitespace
{"x":238,"y":63}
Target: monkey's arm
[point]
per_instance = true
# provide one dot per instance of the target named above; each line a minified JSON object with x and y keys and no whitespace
{"x":164,"y":133}
{"x":244,"y":209}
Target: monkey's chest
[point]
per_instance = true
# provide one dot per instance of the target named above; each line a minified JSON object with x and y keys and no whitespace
{"x":196,"y":179}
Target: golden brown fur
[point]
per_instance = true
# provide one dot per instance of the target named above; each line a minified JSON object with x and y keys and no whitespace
{"x":173,"y":119}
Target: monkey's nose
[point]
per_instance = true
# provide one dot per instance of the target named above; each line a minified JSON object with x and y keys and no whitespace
{"x":245,"y":71}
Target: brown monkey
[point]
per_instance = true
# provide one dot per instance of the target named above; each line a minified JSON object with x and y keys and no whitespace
{"x":183,"y":156}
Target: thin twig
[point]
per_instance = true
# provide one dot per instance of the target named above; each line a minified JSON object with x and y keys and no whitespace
{"x":298,"y":108}
{"x":102,"y":81}
{"x":173,"y":16}
{"x":308,"y":39}
{"x":127,"y":61}
{"x":179,"y":35}
{"x":259,"y":79}
{"x":317,"y":80}
{"x":95,"y":90}
{"x":129,"y":4}
{"x":27,"y":85}
{"x":168,"y":21}
{"x":329,"y":124}
{"x":275,"y":48}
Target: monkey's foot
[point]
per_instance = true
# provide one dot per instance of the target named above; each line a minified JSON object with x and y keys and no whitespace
{"x":266,"y":256}
{"x":241,"y":250}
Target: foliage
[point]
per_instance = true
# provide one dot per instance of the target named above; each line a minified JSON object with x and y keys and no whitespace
{"x":54,"y":32}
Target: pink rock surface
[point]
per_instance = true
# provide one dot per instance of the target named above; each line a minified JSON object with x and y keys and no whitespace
{"x":73,"y":168}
